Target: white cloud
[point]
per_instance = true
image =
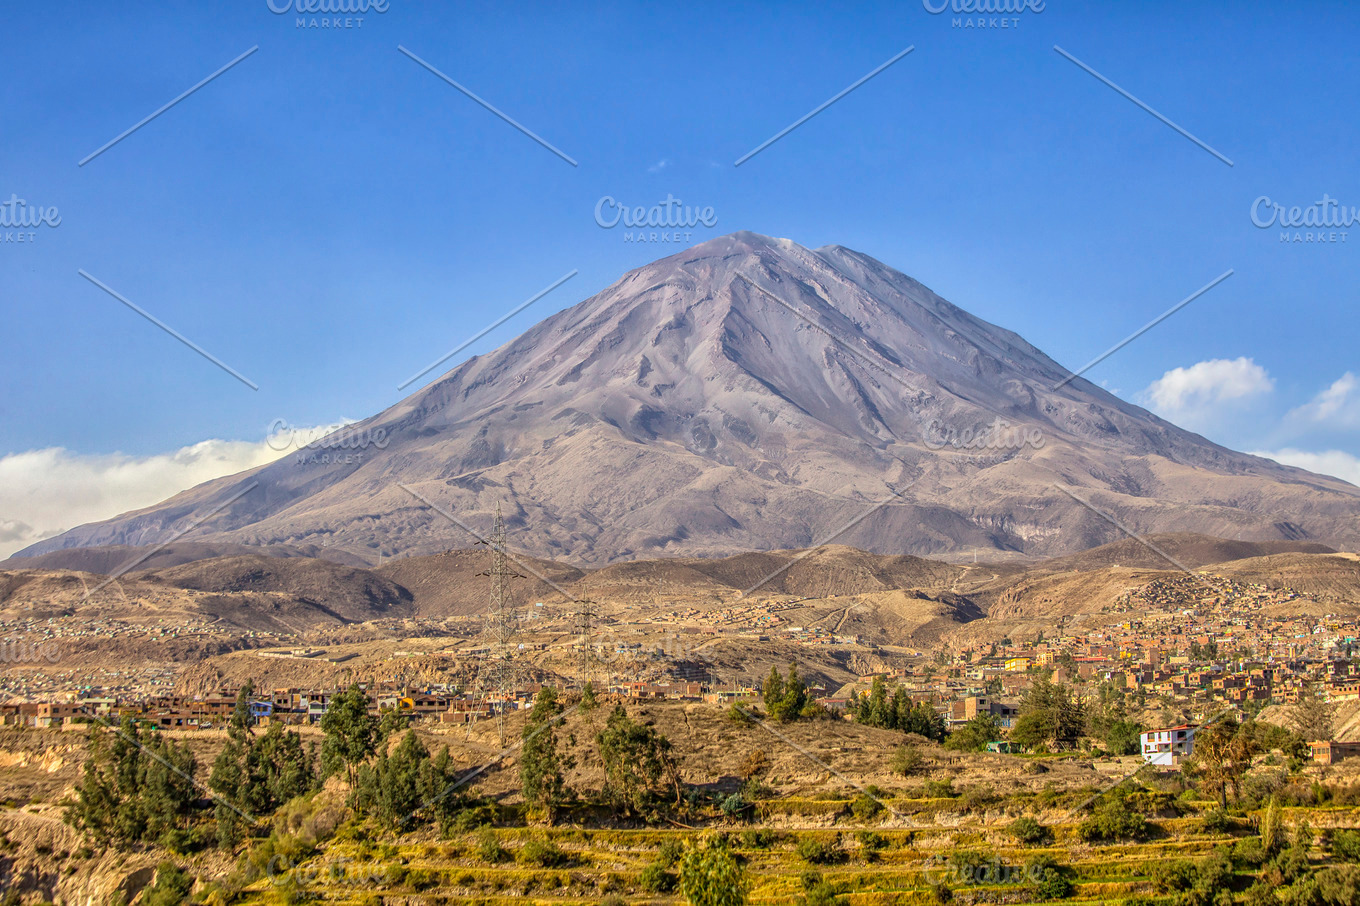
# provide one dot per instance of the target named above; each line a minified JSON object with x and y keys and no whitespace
{"x":45,"y":492}
{"x":1214,"y":381}
{"x":659,"y":165}
{"x":1329,"y":462}
{"x":1337,"y":406}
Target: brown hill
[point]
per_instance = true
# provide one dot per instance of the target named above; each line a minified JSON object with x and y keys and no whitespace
{"x":1185,"y":548}
{"x":455,"y":583}
{"x":110,"y":558}
{"x":1326,"y":576}
{"x":349,"y":593}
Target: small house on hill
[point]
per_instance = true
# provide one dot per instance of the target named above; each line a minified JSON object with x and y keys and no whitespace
{"x":1169,"y":746}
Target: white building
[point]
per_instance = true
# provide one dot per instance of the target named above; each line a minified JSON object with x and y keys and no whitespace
{"x":1167,"y":747}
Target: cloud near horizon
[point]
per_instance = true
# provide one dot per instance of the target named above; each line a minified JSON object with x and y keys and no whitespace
{"x":45,"y":492}
{"x":1193,"y":395}
{"x":1338,"y":406}
{"x":1336,"y":463}
{"x":1201,"y":395}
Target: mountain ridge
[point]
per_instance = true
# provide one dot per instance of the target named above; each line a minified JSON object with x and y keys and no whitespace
{"x":752,"y":394}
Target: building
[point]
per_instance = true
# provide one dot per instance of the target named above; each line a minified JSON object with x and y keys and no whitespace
{"x":1169,"y":746}
{"x":961,"y":712}
{"x":1329,"y":751}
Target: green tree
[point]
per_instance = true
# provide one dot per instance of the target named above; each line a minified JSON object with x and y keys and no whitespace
{"x":794,"y":702}
{"x":637,"y":761}
{"x":170,"y":888}
{"x":398,"y":782}
{"x":773,"y":691}
{"x":974,"y":735}
{"x":1312,"y":717}
{"x":1109,"y":722}
{"x":351,"y":734}
{"x":134,"y":788}
{"x":1051,"y":714}
{"x":1224,"y":751}
{"x":256,"y":774}
{"x":710,"y":875}
{"x":923,"y":720}
{"x":541,"y":767}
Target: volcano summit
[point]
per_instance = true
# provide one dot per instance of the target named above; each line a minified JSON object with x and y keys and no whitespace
{"x":753,"y":394}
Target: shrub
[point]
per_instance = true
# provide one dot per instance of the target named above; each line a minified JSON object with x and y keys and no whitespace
{"x":1346,"y":846}
{"x":737,"y":714}
{"x":171,"y":887}
{"x":1249,"y":853}
{"x":939,"y":789}
{"x":1173,"y":876}
{"x":710,"y":875}
{"x":656,"y":879}
{"x":1201,"y":883}
{"x":872,"y":842}
{"x":1113,"y":820}
{"x":973,"y":867}
{"x":542,"y":853}
{"x":473,"y":817}
{"x":757,"y":764}
{"x":422,"y":878}
{"x":819,"y":892}
{"x":669,"y":853}
{"x":907,"y":760}
{"x":489,"y":846}
{"x":733,"y":805}
{"x":759,"y":838}
{"x":1216,"y":821}
{"x":865,"y":807}
{"x":816,"y":852}
{"x":940,"y":893}
{"x":977,"y":798}
{"x":1050,"y":880}
{"x":1029,"y":831}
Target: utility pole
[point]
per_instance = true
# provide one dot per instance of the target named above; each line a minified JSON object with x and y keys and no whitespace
{"x":502,"y":623}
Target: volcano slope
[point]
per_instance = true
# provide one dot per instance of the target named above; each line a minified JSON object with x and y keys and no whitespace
{"x":753,"y":394}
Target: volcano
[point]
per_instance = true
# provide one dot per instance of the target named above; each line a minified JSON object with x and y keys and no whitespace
{"x":753,"y":394}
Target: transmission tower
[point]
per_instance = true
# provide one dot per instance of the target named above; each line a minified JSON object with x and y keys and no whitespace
{"x":502,"y":623}
{"x":585,"y":617}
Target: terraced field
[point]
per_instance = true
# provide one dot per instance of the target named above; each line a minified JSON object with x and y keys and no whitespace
{"x":901,"y":859}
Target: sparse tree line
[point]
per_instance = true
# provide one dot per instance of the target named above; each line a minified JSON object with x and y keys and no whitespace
{"x":1055,"y":717}
{"x":141,"y":788}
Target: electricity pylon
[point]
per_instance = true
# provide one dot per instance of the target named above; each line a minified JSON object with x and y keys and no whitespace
{"x":585,"y":617}
{"x":502,"y":624}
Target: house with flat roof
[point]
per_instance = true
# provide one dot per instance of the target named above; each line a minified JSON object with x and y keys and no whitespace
{"x":1329,"y":751}
{"x":1169,"y":746}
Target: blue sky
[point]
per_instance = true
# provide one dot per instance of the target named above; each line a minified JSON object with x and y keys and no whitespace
{"x":327,"y":217}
